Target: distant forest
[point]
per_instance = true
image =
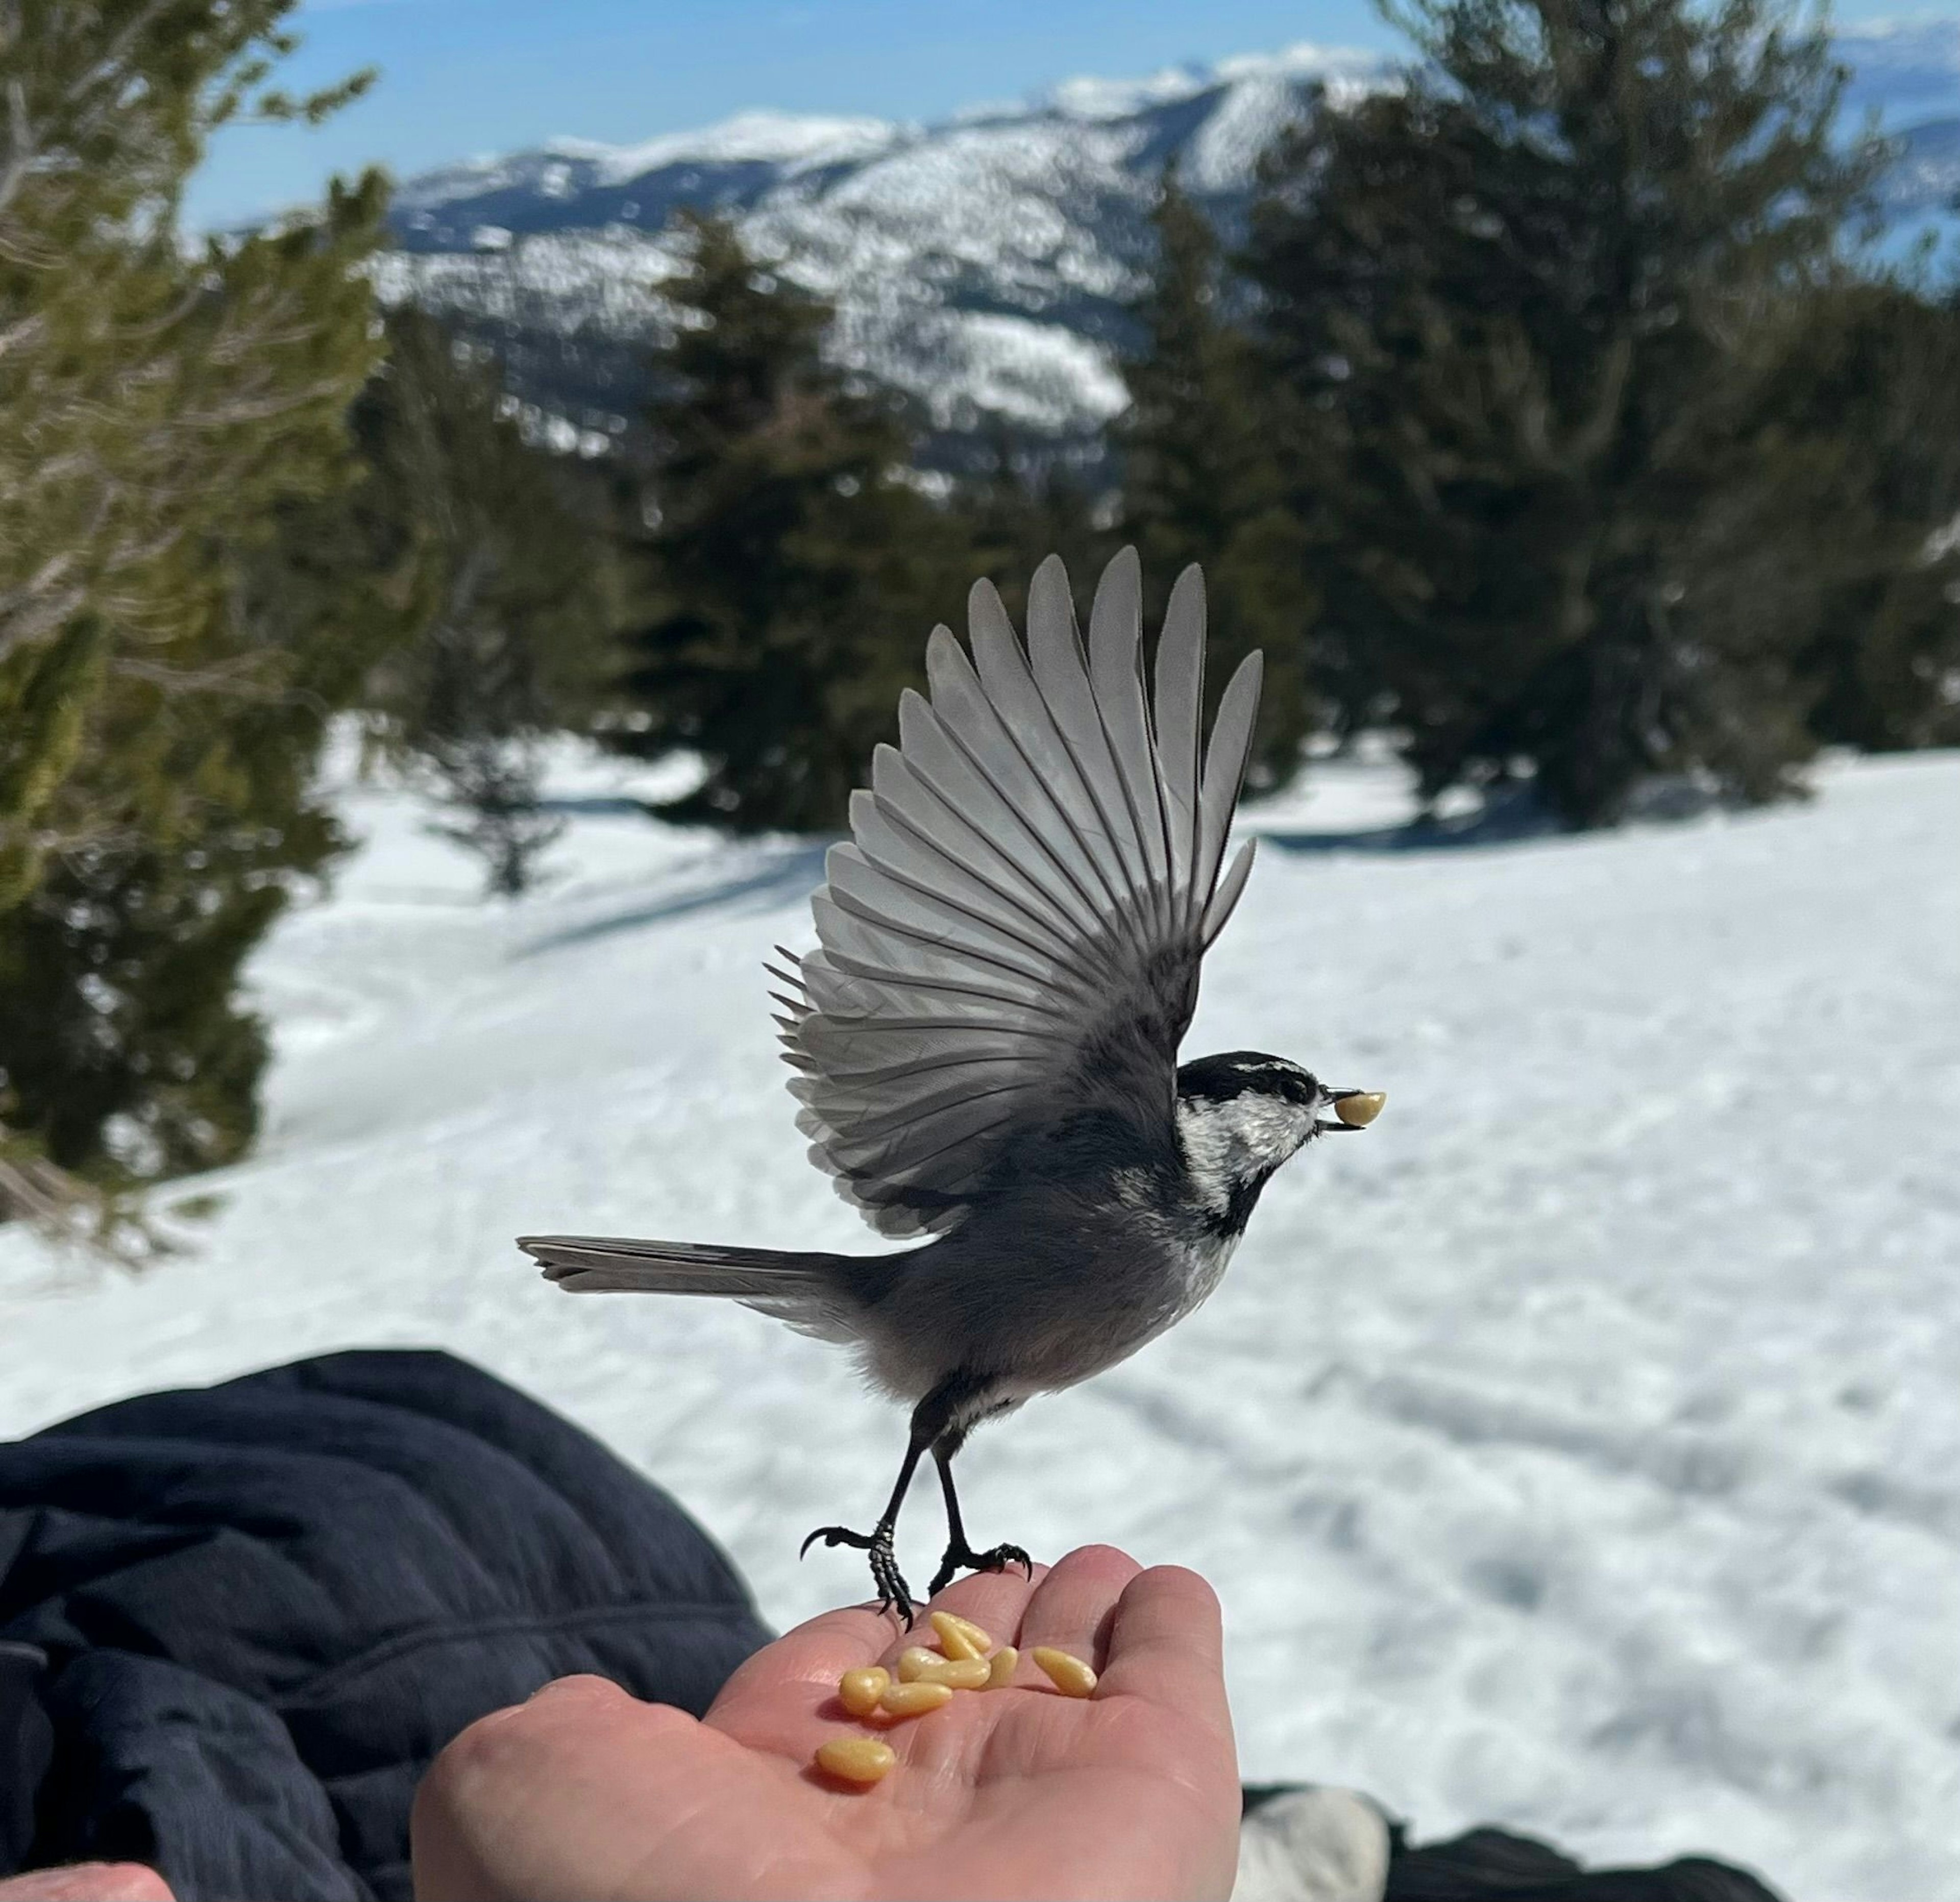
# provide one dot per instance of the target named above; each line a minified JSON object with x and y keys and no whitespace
{"x":1544,"y":421}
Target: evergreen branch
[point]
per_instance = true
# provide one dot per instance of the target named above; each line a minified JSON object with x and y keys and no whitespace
{"x":232,"y":678}
{"x":21,"y":153}
{"x":69,"y":1213}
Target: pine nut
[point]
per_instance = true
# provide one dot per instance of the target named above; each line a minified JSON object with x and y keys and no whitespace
{"x":1069,"y":1675}
{"x":913,"y":1699}
{"x":856,"y":1759}
{"x":1358,"y":1111}
{"x":859,"y":1691}
{"x":1000,"y":1667}
{"x":917,"y":1666}
{"x":960,"y":1637}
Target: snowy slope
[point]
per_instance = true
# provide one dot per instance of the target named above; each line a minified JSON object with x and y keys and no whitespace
{"x":1578,"y":1450}
{"x":982,"y":265}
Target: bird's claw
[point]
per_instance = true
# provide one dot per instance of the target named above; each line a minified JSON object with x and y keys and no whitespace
{"x":893,"y":1593}
{"x":962,"y":1557}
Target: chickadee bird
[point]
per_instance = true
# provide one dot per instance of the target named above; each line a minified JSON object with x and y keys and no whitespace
{"x":985,"y":1038}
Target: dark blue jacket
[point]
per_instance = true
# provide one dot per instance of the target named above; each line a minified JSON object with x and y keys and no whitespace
{"x":236,"y":1623}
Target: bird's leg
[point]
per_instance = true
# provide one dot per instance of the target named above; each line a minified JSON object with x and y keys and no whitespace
{"x":960,"y":1556}
{"x":892,"y":1593}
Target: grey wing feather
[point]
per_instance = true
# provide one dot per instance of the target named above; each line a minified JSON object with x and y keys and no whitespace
{"x":1225,"y":900}
{"x":1179,"y":708}
{"x":1014,"y":932}
{"x":1224,"y":776}
{"x":1054,"y":653}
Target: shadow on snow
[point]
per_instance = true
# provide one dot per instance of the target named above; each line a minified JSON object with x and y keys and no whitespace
{"x":784,"y":872}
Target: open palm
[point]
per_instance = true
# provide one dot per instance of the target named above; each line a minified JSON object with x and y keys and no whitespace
{"x":585,"y":1792}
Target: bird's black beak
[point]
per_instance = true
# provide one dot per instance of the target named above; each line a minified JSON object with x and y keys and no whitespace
{"x":1356,"y":1108}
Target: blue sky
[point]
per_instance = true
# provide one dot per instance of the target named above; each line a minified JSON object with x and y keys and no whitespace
{"x":459,"y":77}
{"x":463,"y":76}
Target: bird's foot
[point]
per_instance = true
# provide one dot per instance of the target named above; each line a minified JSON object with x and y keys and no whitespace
{"x":961,"y":1558}
{"x":893,"y":1595}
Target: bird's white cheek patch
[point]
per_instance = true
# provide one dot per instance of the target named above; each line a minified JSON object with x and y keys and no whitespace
{"x":1237,"y":1141}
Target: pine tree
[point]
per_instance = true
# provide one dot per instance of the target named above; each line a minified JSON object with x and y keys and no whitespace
{"x":1531,"y":302}
{"x":1203,"y":452}
{"x":1868,"y":395}
{"x":164,"y":411}
{"x":517,"y":608}
{"x":791,"y":565}
{"x":1025,"y":506}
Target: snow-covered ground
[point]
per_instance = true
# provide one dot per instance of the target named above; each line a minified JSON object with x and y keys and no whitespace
{"x":1580,"y":1449}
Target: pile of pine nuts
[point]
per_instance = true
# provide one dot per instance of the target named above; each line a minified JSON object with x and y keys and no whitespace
{"x":966,"y":1660}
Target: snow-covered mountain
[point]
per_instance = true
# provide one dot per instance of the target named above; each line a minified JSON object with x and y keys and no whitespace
{"x":981,"y":265}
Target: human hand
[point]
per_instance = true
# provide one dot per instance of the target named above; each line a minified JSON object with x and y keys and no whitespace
{"x":88,"y":1882}
{"x":585,"y":1792}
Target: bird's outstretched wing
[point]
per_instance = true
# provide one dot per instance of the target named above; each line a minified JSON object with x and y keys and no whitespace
{"x":1013,"y":936}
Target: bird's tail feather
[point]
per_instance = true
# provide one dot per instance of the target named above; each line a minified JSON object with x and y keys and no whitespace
{"x":816,"y":1292}
{"x":584,"y":1263}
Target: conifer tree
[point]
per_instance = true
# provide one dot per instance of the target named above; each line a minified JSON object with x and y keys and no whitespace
{"x":791,"y":568}
{"x":1531,"y":301}
{"x":1025,"y":506}
{"x":1869,"y":399}
{"x":517,"y":606}
{"x":1203,"y":450}
{"x":163,"y":410}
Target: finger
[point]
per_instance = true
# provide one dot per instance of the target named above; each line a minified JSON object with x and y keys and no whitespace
{"x":996,"y":1601}
{"x":1071,"y":1607}
{"x":88,"y":1882}
{"x":526,"y":1802}
{"x":585,"y":1691}
{"x":785,"y":1697}
{"x":1167,"y":1645}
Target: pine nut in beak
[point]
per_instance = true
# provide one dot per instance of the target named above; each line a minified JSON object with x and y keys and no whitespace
{"x":859,"y":1691}
{"x":960,"y":1637}
{"x":856,"y":1759}
{"x":1068,"y":1674}
{"x":913,"y":1699}
{"x":1360,"y":1108}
